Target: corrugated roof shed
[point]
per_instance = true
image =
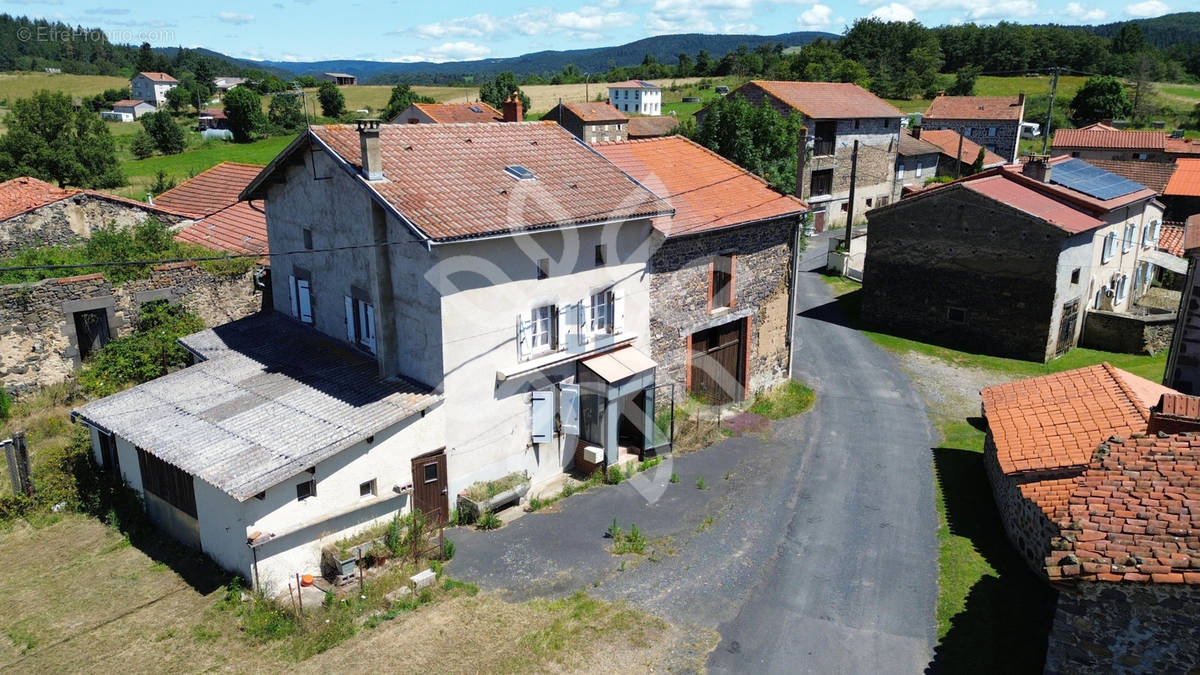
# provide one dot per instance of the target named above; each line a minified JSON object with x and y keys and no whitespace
{"x":271,"y":400}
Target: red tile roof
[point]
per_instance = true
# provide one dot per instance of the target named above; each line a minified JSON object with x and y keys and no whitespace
{"x":209,"y":191}
{"x":130,"y":103}
{"x":450,"y":181}
{"x":1102,"y":136}
{"x":633,"y":84}
{"x":450,"y":113}
{"x":239,"y":228}
{"x":1055,"y":421}
{"x":708,"y":191}
{"x":215,"y":113}
{"x":1185,"y":182}
{"x":976,"y":108}
{"x":1182,"y":146}
{"x":651,"y":126}
{"x":828,"y":100}
{"x":948,"y":141}
{"x":594,"y":112}
{"x":1034,"y":203}
{"x":24,"y":194}
{"x":159,"y":77}
{"x":1153,"y":175}
{"x":1170,"y":239}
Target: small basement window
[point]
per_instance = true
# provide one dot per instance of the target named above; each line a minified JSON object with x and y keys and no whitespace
{"x":367,"y":489}
{"x":308,"y":242}
{"x":306,"y":489}
{"x":956,"y":314}
{"x":1075,"y":276}
{"x":519,"y":172}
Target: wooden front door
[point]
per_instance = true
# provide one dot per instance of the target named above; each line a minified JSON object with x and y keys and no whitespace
{"x":429,"y":487}
{"x":717,"y":363}
{"x":819,"y":221}
{"x":1066,"y":327}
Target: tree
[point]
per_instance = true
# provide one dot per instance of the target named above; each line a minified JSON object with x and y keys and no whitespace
{"x":49,"y":139}
{"x":1101,"y":97}
{"x":205,"y":85}
{"x":964,"y":81}
{"x":757,"y":138}
{"x":167,"y":135}
{"x":684,"y":69}
{"x":177,"y":98}
{"x":977,"y":165}
{"x":243,"y":109}
{"x":141,"y":145}
{"x":1128,"y":40}
{"x":285,"y":113}
{"x":145,"y":59}
{"x":402,"y":97}
{"x":495,"y":92}
{"x":333,"y":104}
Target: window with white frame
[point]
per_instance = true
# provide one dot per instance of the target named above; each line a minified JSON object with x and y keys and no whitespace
{"x":1121,"y":290}
{"x":1110,"y":247}
{"x":1130,"y":234}
{"x":366,"y":490}
{"x":541,"y":328}
{"x":600,"y":311}
{"x":900,"y":171}
{"x":920,"y":168}
{"x":360,"y":323}
{"x":1150,"y":233}
{"x":301,"y":292}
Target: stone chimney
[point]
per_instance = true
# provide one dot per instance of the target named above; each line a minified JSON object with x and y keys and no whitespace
{"x":915,"y":131}
{"x":372,"y":156}
{"x":1020,"y":99}
{"x":512,"y":109}
{"x":1038,"y":168}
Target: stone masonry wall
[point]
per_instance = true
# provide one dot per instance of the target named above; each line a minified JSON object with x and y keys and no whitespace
{"x":679,"y":281}
{"x":1102,"y":627}
{"x":1029,"y":529}
{"x":1128,"y":333}
{"x":36,"y":325}
{"x":1008,"y":134}
{"x":71,"y":219}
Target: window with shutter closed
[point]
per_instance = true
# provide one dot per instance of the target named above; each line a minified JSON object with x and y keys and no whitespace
{"x":304,"y":298}
{"x":541,"y":416}
{"x":722,"y":281}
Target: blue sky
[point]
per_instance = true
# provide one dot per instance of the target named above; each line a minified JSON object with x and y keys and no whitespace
{"x":394,"y":30}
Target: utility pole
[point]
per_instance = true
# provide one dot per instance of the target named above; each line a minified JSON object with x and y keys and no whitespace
{"x":1050,"y":112}
{"x":850,"y":208}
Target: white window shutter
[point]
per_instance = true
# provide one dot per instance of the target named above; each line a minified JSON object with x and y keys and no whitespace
{"x":618,"y":311}
{"x":292,"y":292}
{"x":559,"y":317}
{"x":541,"y":416}
{"x":305,"y":300}
{"x":368,"y":328}
{"x":524,"y":328}
{"x":350,"y":336}
{"x":568,"y":408}
{"x":900,"y":171}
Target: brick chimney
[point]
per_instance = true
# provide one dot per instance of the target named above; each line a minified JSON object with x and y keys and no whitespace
{"x":372,"y":156}
{"x":1038,"y":168}
{"x":1020,"y":99}
{"x":512,"y":109}
{"x":915,"y":131}
{"x":1175,"y":413}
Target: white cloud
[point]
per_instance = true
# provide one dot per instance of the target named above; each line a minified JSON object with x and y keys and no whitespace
{"x":817,"y":17}
{"x":893,"y":12}
{"x":458,"y":51}
{"x":1147,"y":8}
{"x":740,"y":29}
{"x":467,"y":26}
{"x":1082,"y":12}
{"x":234,"y":17}
{"x":585,"y":22}
{"x":1004,"y":8}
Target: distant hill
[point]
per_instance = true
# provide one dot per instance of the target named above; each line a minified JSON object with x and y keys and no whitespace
{"x":665,"y":48}
{"x":1162,"y":31}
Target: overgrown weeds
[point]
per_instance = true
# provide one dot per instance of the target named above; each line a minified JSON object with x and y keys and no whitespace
{"x":622,"y":543}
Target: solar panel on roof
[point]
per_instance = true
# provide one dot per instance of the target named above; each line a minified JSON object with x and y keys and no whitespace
{"x":1080,"y":176}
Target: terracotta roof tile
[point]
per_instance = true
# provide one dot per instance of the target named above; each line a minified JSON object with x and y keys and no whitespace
{"x":976,"y":108}
{"x":1185,"y":182}
{"x":948,"y":141}
{"x":594,"y":111}
{"x":1170,"y":239}
{"x":451,"y":113}
{"x":652,"y":126}
{"x":238,"y":228}
{"x":450,"y":179}
{"x":1153,"y":175}
{"x":633,"y":84}
{"x":209,"y":191}
{"x":829,"y":100}
{"x":1182,"y":146}
{"x":708,"y":191}
{"x":1101,"y":136}
{"x":24,"y":194}
{"x":130,"y":103}
{"x":158,"y":77}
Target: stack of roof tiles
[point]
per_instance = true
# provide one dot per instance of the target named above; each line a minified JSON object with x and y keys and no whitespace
{"x":1125,"y":503}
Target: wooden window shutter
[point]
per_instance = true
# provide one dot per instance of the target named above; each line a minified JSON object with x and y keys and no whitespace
{"x":524,"y":328}
{"x":350,"y":335}
{"x":618,"y":311}
{"x":558,"y":332}
{"x":541,"y":416}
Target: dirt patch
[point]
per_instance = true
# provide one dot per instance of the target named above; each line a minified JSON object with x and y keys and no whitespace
{"x":950,"y":391}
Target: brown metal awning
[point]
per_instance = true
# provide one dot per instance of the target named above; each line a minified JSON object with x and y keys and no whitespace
{"x":620,"y":364}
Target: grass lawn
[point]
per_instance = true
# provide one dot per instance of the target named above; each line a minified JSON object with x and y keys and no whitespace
{"x":993,"y":614}
{"x":24,"y":84}
{"x":1181,"y":90}
{"x":141,"y":172}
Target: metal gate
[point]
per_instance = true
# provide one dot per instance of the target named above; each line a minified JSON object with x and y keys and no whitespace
{"x":718,"y":359}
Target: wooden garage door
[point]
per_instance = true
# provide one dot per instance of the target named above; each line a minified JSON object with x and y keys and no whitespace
{"x":718,"y":358}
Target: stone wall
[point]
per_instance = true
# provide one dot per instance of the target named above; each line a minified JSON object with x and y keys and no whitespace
{"x":1004,"y":143}
{"x":1128,"y":333}
{"x":1122,"y":627}
{"x":69,"y":220}
{"x":679,"y":285}
{"x":37,"y":331}
{"x":1029,"y":529}
{"x":951,"y":268}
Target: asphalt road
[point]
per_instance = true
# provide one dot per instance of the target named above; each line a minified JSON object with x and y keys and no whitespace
{"x":812,"y":549}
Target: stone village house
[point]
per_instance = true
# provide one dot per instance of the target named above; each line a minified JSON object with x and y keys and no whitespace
{"x":993,"y":122}
{"x":720,"y":270}
{"x":1094,"y":472}
{"x":1011,"y":260}
{"x":590,"y":122}
{"x":448,"y":113}
{"x":440,"y":318}
{"x":836,"y":114}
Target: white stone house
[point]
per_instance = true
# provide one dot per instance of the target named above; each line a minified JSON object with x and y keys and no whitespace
{"x":152,"y":87}
{"x":487,"y":281}
{"x":636,"y":96}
